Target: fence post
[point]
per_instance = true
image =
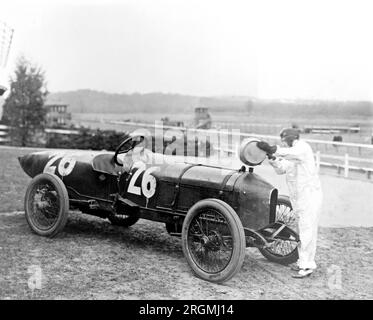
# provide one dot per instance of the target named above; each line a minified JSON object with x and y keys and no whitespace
{"x":318,"y":160}
{"x":236,"y":151}
{"x":346,"y":165}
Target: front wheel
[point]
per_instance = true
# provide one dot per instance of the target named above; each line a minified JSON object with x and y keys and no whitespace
{"x":283,"y":247}
{"x":46,"y":205}
{"x":213,"y":240}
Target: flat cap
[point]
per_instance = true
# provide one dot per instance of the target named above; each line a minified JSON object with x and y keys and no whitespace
{"x":289,"y":132}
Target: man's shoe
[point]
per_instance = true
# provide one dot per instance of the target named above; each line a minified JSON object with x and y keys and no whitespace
{"x":294,"y":267}
{"x":303,"y":273}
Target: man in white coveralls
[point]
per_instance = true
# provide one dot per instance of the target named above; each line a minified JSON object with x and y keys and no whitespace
{"x":297,"y":161}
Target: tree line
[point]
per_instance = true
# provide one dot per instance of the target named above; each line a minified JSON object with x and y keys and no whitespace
{"x":24,"y":113}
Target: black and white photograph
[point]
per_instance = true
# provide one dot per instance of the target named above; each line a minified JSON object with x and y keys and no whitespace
{"x":203,"y":151}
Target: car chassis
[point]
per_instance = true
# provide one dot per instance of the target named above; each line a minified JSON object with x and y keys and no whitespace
{"x":216,"y":211}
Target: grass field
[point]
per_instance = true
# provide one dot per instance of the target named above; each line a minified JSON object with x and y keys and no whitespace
{"x":13,"y":179}
{"x":258,"y":125}
{"x":91,"y":259}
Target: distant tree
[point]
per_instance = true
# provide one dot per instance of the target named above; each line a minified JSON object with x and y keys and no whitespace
{"x":24,"y":110}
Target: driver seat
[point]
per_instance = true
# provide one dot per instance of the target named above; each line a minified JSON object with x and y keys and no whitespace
{"x":104,"y":163}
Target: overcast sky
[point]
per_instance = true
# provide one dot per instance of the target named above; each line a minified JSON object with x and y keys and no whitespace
{"x":267,"y":49}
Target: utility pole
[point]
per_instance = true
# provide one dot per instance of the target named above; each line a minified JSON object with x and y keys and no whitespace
{"x":6,"y":38}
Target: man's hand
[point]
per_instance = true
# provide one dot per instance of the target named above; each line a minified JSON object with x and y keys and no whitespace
{"x":266,"y":147}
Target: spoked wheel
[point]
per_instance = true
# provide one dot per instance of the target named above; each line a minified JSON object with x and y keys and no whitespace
{"x":285,"y":213}
{"x":282,"y":235}
{"x":46,"y":205}
{"x":213,"y":240}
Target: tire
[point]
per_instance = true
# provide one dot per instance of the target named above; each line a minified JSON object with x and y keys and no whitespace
{"x":46,"y":205}
{"x":202,"y":239}
{"x":123,"y":220}
{"x":291,"y":255}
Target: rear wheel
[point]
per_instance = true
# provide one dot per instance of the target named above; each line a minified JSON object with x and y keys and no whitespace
{"x":213,"y":240}
{"x":46,"y":205}
{"x":283,"y":247}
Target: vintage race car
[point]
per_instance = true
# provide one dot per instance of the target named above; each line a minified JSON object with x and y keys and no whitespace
{"x":216,"y":211}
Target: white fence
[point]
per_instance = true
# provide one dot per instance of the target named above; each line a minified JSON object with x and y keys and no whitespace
{"x":4,"y":132}
{"x":341,"y":156}
{"x":341,"y":162}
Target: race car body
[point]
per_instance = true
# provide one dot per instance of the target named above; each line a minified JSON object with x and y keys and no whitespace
{"x":171,"y":187}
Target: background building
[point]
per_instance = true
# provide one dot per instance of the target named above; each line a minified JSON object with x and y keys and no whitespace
{"x":57,"y":115}
{"x":202,"y":118}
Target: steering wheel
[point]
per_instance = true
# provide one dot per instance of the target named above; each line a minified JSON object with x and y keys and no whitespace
{"x":126,"y":146}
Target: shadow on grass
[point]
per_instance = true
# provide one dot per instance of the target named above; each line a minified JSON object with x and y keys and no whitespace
{"x":148,"y":235}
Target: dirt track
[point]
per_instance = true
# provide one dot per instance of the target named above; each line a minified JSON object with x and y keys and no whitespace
{"x":93,"y":260}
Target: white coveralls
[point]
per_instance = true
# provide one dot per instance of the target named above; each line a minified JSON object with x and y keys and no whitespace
{"x":298,"y":163}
